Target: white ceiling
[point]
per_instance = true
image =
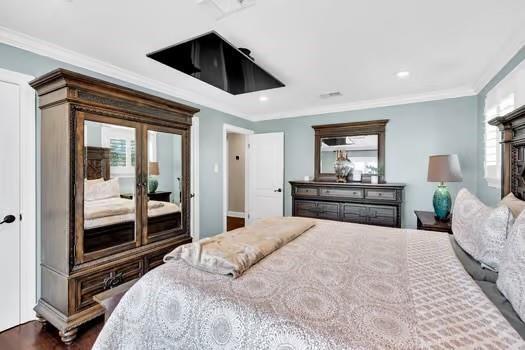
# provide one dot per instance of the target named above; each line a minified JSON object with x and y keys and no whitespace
{"x":452,"y":48}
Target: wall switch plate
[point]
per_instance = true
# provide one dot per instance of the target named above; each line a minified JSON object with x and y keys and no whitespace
{"x":215,"y":168}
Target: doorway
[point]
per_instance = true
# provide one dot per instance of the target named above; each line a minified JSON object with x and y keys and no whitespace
{"x":17,"y":200}
{"x":235,"y":177}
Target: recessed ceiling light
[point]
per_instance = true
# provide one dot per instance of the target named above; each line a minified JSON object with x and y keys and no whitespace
{"x":263,"y":98}
{"x":403,"y":74}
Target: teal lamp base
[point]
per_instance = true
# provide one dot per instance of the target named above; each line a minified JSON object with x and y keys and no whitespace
{"x":442,"y":202}
{"x":153,"y":184}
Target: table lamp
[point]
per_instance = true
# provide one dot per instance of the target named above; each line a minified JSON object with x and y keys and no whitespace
{"x":153,"y":172}
{"x":443,"y":168}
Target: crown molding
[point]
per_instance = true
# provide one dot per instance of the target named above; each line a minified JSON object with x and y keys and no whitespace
{"x":505,"y":54}
{"x":59,"y":53}
{"x":369,"y":104}
{"x":47,"y":49}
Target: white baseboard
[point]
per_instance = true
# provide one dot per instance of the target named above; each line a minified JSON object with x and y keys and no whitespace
{"x":237,"y":214}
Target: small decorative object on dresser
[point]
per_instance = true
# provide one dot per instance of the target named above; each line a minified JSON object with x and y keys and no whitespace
{"x":443,"y":168}
{"x":427,"y":221}
{"x":342,"y":166}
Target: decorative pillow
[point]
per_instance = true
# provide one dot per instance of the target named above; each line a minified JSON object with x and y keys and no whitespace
{"x":101,"y":190}
{"x":514,"y":204}
{"x":511,"y":279}
{"x":480,"y":230}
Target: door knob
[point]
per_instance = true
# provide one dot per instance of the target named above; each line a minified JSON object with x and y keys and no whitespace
{"x":278,"y":190}
{"x":8,"y":219}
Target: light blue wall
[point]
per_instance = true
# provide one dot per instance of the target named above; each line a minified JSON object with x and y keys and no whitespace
{"x":414,"y":132}
{"x":487,"y":194}
{"x":210,"y":153}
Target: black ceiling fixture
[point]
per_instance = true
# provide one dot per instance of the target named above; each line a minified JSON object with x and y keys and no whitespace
{"x":215,"y":61}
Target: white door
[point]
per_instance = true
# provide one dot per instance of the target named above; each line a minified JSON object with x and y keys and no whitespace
{"x":9,"y":206}
{"x":17,"y":200}
{"x":266,"y":175}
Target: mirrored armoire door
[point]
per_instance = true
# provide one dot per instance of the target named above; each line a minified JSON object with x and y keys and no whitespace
{"x":108,"y":193}
{"x":165,"y":168}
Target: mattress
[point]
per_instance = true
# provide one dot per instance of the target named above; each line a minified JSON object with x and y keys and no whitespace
{"x":337,"y":286}
{"x":126,"y":206}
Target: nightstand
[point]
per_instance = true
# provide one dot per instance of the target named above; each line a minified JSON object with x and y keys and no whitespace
{"x":160,"y":196}
{"x":427,"y":221}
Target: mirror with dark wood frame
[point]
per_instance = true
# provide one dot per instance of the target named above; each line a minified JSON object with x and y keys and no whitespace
{"x":363,"y":143}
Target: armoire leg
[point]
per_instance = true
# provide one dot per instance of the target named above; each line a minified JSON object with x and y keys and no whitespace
{"x":68,"y":336}
{"x":41,"y":319}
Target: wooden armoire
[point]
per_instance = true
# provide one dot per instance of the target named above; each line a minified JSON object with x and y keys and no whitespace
{"x":104,"y":151}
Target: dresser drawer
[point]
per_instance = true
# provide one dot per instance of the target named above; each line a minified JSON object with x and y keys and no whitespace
{"x":306,"y":191}
{"x":328,"y":211}
{"x":382,"y":215}
{"x":387,"y":195}
{"x":88,"y":286}
{"x":356,"y":213}
{"x":321,"y":210}
{"x":342,"y":192}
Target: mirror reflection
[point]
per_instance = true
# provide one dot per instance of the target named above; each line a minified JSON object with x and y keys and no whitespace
{"x":109,"y":185}
{"x":164,"y":181}
{"x":361,"y":151}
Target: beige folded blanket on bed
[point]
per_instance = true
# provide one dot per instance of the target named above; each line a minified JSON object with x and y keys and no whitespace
{"x":234,"y":252}
{"x":113,"y":206}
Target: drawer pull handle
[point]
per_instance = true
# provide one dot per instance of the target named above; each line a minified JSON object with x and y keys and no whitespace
{"x":113,"y":280}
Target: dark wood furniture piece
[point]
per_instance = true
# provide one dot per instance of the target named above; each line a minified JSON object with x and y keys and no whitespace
{"x":379,"y":204}
{"x":77,"y":264}
{"x":372,"y":127}
{"x":512,"y":127}
{"x":427,"y":221}
{"x":160,"y":196}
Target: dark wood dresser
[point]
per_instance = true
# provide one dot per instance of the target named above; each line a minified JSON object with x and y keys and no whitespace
{"x":362,"y":203}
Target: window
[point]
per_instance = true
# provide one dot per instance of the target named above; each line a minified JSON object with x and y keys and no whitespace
{"x":118,"y":152}
{"x":121,"y":141}
{"x":505,"y":97}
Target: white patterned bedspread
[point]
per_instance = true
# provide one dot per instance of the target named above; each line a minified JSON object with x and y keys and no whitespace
{"x":338,"y":286}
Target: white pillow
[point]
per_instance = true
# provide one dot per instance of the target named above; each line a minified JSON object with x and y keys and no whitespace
{"x":511,"y":277}
{"x":101,"y":190}
{"x":480,"y":230}
{"x":515,"y":205}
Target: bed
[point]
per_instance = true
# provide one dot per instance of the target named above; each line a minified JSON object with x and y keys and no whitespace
{"x":363,"y":288}
{"x":337,"y":286}
{"x":111,"y":220}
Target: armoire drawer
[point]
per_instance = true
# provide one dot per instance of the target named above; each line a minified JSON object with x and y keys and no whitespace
{"x":156,"y":259}
{"x":382,"y":215}
{"x":379,"y":194}
{"x":88,"y":286}
{"x":342,"y":192}
{"x":306,"y":191}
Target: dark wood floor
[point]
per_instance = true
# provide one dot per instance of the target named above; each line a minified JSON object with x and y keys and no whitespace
{"x":233,"y":223}
{"x":33,"y":335}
